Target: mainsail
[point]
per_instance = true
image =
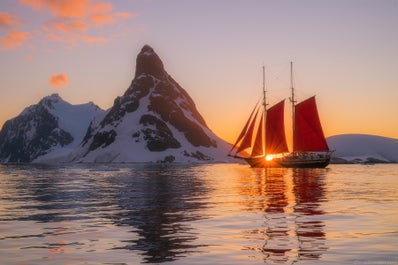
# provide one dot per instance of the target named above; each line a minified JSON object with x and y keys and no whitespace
{"x":275,"y":138}
{"x":308,"y":134}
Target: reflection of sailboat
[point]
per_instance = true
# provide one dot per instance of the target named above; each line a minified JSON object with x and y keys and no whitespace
{"x":269,"y":148}
{"x":309,"y":192}
{"x":291,"y":201}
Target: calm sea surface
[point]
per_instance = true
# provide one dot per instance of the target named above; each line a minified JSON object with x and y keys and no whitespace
{"x":198,"y":214}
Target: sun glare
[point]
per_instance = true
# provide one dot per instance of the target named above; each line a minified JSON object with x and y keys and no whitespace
{"x":269,"y":157}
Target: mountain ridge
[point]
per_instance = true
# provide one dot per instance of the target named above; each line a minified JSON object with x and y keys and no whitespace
{"x":363,"y":148}
{"x":48,"y":127}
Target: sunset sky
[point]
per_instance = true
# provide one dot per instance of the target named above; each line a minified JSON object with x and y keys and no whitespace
{"x":344,"y":52}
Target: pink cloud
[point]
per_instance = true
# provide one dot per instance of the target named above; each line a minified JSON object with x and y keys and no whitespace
{"x":54,"y":37}
{"x":125,"y":15}
{"x":101,"y":7}
{"x":58,"y":80}
{"x":7,"y":20}
{"x":65,"y":25}
{"x":29,"y":58}
{"x":91,"y":39}
{"x":14,"y":39}
{"x":63,"y":38}
{"x":102,"y":19}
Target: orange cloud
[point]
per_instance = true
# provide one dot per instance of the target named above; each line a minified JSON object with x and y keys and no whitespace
{"x":54,"y":37}
{"x":91,"y":39}
{"x":7,"y":20}
{"x":63,"y":8}
{"x":65,"y":25}
{"x":101,"y":7}
{"x":72,"y":20}
{"x":58,"y":80}
{"x":63,"y":38}
{"x":14,"y":39}
{"x":102,"y":19}
{"x":125,"y":15}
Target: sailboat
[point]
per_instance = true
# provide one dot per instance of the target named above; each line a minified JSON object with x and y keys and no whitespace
{"x":264,"y":134}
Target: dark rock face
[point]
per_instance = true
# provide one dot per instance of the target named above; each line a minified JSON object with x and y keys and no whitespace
{"x":30,"y":135}
{"x":165,"y":104}
{"x":129,"y":102}
{"x":157,"y":135}
{"x":103,"y":139}
{"x":198,"y":155}
{"x":148,"y":62}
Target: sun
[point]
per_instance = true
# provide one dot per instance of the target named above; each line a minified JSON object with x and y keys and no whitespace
{"x":269,"y":157}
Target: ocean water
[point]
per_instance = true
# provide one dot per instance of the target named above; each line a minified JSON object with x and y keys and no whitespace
{"x":198,"y":214}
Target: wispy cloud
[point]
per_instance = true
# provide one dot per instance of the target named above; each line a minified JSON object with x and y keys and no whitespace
{"x":14,"y":39}
{"x":7,"y":20}
{"x":58,"y":80}
{"x":64,"y":25}
{"x":101,"y":7}
{"x":93,"y":39}
{"x":72,"y":21}
{"x":102,"y":19}
{"x":125,"y":15}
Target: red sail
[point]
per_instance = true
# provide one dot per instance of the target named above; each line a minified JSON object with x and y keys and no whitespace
{"x":258,"y":148}
{"x":244,"y":130}
{"x":308,"y":134}
{"x":247,"y":140}
{"x":275,"y":138}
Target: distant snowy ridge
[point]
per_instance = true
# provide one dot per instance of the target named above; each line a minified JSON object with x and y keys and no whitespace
{"x":362,"y":148}
{"x":47,"y":131}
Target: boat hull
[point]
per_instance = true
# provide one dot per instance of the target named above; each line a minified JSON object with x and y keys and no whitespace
{"x":303,"y":160}
{"x":261,"y":162}
{"x":321,"y":163}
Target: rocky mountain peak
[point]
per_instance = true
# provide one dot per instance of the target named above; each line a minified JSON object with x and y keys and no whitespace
{"x":148,"y":62}
{"x":154,"y":120}
{"x":48,"y":101}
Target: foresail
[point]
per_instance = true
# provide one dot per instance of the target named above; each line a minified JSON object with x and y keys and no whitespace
{"x":258,"y":147}
{"x":244,"y":130}
{"x":308,"y":133}
{"x":247,"y":140}
{"x":275,"y":138}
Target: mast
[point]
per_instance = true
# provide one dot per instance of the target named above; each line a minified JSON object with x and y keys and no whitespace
{"x":259,"y":142}
{"x":264,"y":91}
{"x":293,"y":101}
{"x":265,"y":110}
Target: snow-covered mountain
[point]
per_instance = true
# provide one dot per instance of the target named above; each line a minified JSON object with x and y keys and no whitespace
{"x":359,"y":148}
{"x":154,"y":121}
{"x":47,"y":131}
